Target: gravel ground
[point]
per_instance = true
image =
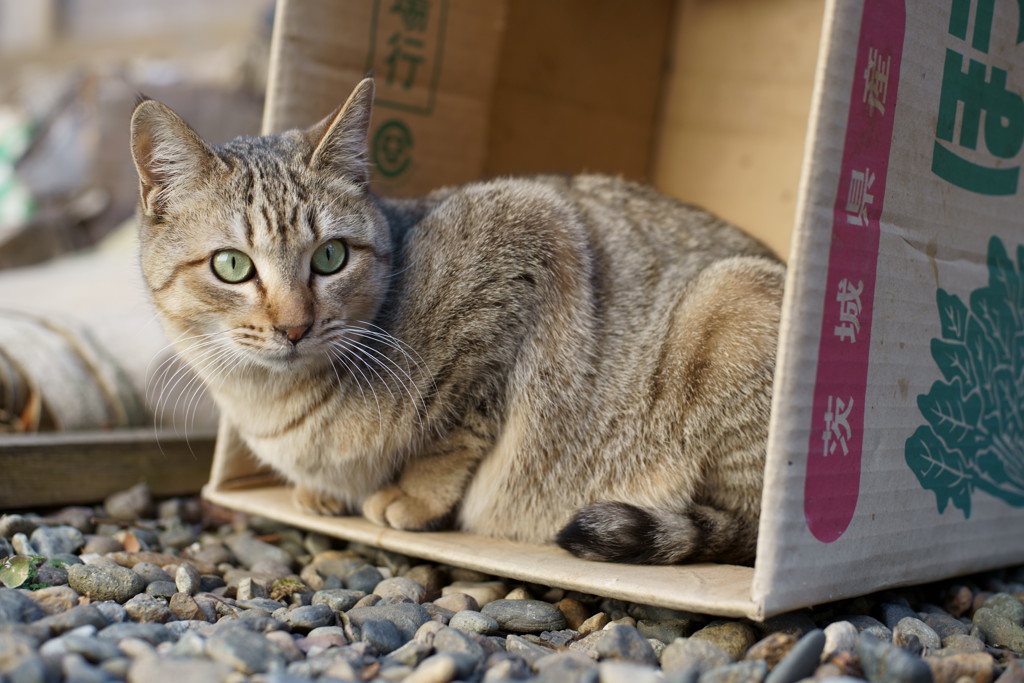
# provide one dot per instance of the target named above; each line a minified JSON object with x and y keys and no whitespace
{"x":181,"y":591}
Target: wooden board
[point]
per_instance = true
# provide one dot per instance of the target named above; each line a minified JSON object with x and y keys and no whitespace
{"x":706,"y":588}
{"x":38,"y":470}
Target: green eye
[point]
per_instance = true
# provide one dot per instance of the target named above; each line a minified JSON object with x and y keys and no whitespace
{"x":329,"y":257}
{"x":231,"y":265}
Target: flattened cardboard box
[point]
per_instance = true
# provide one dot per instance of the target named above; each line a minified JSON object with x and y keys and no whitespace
{"x":896,"y":452}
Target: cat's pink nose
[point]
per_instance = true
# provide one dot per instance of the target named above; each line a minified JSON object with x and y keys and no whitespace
{"x":294,"y":334}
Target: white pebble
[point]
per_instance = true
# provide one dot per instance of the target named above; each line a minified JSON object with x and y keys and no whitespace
{"x":85,"y":630}
{"x":55,"y":647}
{"x":617,"y":671}
{"x":840,"y":636}
{"x":518,"y":593}
{"x":439,"y":668}
{"x":22,"y":546}
{"x":136,"y":648}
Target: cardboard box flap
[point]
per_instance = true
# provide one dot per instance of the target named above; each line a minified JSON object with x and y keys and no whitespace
{"x":234,"y":467}
{"x":892,"y":436}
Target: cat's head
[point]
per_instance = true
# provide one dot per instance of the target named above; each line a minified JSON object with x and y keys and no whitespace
{"x":266,"y":251}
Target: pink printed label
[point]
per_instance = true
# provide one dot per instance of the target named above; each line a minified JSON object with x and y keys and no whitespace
{"x":837,"y":422}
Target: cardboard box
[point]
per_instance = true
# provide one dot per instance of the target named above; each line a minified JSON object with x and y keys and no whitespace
{"x":896,"y":453}
{"x":469,"y":89}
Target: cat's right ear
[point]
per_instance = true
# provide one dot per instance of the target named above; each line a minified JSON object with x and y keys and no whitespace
{"x":169,"y":156}
{"x":340,"y":141}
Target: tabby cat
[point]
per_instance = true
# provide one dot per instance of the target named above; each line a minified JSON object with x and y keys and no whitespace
{"x":569,"y":359}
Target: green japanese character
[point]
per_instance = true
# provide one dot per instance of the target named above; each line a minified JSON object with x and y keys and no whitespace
{"x":984,"y":17}
{"x":414,"y":13}
{"x":979,"y":89}
{"x":404,"y":51}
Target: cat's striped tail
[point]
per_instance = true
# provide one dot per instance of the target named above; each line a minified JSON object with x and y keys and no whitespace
{"x":620,"y":532}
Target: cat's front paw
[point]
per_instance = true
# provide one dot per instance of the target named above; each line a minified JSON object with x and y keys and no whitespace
{"x":393,"y":507}
{"x":317,"y":503}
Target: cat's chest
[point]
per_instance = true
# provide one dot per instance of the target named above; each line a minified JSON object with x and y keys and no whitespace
{"x":284,"y":440}
{"x":306,"y":433}
{"x":275,"y":421}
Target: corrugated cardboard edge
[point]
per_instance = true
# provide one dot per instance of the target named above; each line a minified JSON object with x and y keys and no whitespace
{"x":269,"y":123}
{"x":705,"y":588}
{"x":797,"y":338}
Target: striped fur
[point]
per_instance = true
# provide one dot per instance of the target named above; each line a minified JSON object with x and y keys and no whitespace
{"x":573,"y":359}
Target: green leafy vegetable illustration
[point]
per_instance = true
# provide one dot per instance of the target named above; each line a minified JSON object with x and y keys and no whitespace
{"x":974,"y":439}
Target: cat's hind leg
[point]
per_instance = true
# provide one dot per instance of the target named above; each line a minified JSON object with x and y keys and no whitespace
{"x":711,"y":393}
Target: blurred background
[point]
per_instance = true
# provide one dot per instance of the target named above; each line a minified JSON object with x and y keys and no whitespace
{"x":70,"y":72}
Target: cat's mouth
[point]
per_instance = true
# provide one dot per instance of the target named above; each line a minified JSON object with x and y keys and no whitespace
{"x":293,"y":352}
{"x":278,"y":355}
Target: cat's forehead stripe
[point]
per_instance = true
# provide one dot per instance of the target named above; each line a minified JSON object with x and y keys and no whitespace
{"x":298,"y":185}
{"x":312,"y":224}
{"x":268,"y":219}
{"x":247,"y":225}
{"x":275,"y":194}
{"x":176,"y":272}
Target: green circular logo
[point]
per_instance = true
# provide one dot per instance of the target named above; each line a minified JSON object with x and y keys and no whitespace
{"x":392,"y":148}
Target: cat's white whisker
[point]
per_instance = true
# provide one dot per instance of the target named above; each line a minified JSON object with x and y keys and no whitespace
{"x":183,"y":371}
{"x":331,"y":357}
{"x":169,"y":361}
{"x":379,"y":333}
{"x":370,"y":361}
{"x":342,"y":356}
{"x":178,"y":340}
{"x":385,"y":357}
{"x":337,"y":375}
{"x":398,"y":345}
{"x":229,"y":360}
{"x":226,"y":362}
{"x":212,"y":358}
{"x":383,"y":360}
{"x":371,"y":328}
{"x":344,"y":350}
{"x":399,"y":272}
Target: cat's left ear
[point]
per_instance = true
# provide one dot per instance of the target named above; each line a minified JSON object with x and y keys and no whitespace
{"x":340,"y":141}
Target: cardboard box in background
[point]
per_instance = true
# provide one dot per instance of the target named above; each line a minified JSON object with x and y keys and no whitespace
{"x":435,"y":67}
{"x":466,"y":90}
{"x":578,"y":87}
{"x":896,"y":452}
{"x":698,"y":97}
